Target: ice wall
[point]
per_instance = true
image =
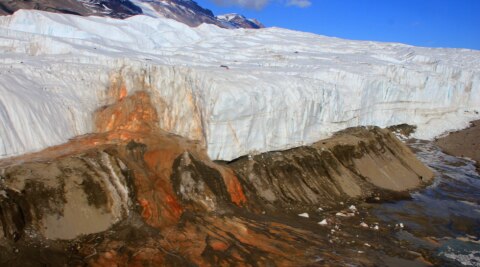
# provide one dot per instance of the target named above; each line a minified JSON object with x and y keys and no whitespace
{"x":277,"y":88}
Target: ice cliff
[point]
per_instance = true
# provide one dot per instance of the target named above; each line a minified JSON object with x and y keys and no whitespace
{"x":236,"y":91}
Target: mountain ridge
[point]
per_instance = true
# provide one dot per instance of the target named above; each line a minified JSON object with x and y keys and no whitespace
{"x":185,"y":11}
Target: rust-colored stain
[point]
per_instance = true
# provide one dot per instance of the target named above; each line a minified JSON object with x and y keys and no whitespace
{"x":123,"y":92}
{"x":231,"y":239}
{"x":146,"y":210}
{"x":154,"y":257}
{"x":117,"y":89}
{"x":133,"y":113}
{"x":233,"y":186}
{"x":173,"y":203}
{"x":219,"y":245}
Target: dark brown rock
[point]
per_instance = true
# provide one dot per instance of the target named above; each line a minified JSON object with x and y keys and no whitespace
{"x":115,"y":9}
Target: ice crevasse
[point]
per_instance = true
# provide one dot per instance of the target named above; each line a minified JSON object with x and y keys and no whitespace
{"x":236,"y":91}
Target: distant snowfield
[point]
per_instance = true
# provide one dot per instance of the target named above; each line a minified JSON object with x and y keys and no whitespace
{"x":281,"y":89}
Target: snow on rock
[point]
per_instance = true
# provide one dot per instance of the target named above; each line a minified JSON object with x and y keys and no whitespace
{"x":304,"y":215}
{"x":281,"y":89}
{"x":239,"y":21}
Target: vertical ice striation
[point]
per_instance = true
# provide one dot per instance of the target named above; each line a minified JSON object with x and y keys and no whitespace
{"x":236,"y":91}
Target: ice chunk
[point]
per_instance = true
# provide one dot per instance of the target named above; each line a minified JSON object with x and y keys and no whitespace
{"x":305,"y":215}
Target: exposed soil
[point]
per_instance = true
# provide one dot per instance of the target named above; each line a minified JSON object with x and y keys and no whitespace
{"x":463,"y":143}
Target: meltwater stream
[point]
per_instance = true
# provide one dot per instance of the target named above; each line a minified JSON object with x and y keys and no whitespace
{"x":444,"y":217}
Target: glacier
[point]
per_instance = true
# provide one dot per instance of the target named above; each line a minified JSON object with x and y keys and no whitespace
{"x":236,"y":91}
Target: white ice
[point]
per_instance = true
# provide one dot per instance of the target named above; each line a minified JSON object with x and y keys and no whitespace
{"x":282,"y":88}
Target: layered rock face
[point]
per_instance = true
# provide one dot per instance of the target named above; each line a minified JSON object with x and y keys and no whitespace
{"x":133,"y":193}
{"x":277,"y":89}
{"x":355,"y":163}
{"x":63,"y":199}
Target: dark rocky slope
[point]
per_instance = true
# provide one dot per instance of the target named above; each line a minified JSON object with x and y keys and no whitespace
{"x":132,"y":194}
{"x":185,"y":11}
{"x":239,"y":21}
{"x":363,"y":162}
{"x":115,"y":9}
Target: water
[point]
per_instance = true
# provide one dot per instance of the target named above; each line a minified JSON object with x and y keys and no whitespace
{"x":444,"y":217}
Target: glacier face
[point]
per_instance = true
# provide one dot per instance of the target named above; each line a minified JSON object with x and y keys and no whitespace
{"x":236,"y":91}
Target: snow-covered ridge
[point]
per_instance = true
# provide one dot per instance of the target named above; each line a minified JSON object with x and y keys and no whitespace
{"x":239,"y":21}
{"x":277,"y":88}
{"x":185,"y":11}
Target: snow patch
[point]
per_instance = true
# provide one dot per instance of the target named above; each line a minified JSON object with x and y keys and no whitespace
{"x":304,"y":215}
{"x":323,"y":222}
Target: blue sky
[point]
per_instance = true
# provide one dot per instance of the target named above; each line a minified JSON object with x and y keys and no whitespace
{"x":432,"y":23}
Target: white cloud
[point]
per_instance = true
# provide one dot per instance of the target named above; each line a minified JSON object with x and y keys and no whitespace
{"x":259,"y":4}
{"x":254,"y":4}
{"x":299,"y":3}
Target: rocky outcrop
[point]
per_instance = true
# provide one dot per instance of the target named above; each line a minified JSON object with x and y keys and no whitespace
{"x":81,"y":194}
{"x":191,"y":13}
{"x":359,"y":162}
{"x":188,"y":12}
{"x":239,"y":21}
{"x":115,"y":9}
{"x":185,"y":11}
